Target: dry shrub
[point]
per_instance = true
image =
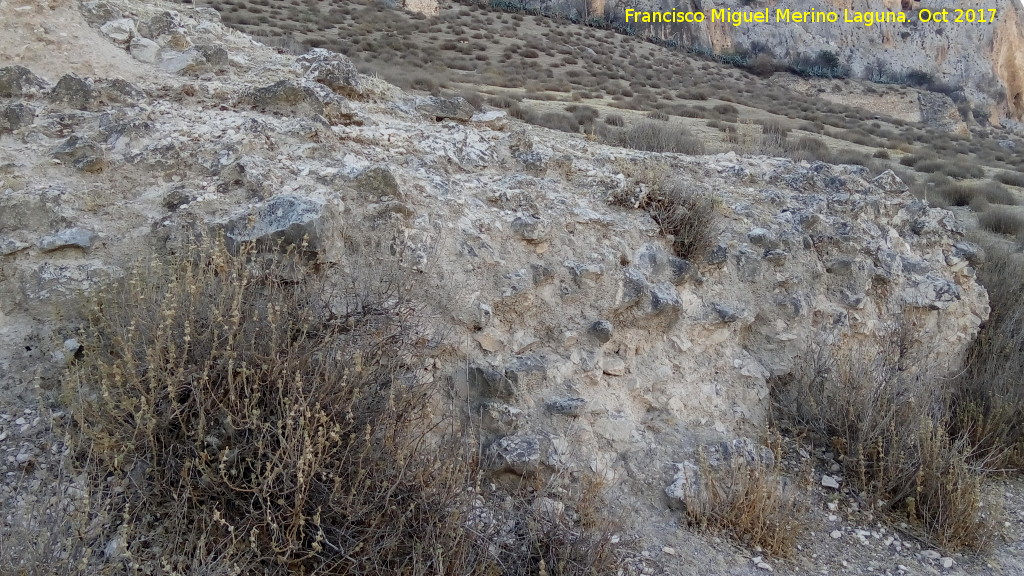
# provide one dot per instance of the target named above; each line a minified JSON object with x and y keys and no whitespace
{"x":614,"y":120}
{"x":989,"y":400}
{"x":248,"y":409}
{"x":846,"y":156}
{"x":687,"y":216}
{"x":996,"y":193}
{"x":1002,"y":222}
{"x":885,"y":412}
{"x":810,"y":148}
{"x":750,"y":501}
{"x":1011,"y":178}
{"x":244,"y":413}
{"x":958,"y":194}
{"x":653,"y":136}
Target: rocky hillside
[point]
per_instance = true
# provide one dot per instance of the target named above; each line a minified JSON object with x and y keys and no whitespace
{"x":564,"y":315}
{"x":986,"y":60}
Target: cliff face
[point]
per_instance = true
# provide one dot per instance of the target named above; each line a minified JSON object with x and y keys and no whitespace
{"x":985,"y":59}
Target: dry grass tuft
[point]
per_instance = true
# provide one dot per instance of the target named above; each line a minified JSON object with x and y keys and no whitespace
{"x":750,"y":501}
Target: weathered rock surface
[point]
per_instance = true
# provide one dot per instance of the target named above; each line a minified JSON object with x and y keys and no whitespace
{"x":587,"y":345}
{"x":454,"y":108}
{"x":15,"y":116}
{"x":18,"y":81}
{"x":281,"y":222}
{"x":297,"y":98}
{"x":332,"y":70}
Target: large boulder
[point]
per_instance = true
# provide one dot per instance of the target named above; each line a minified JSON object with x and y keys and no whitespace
{"x":455,"y":108}
{"x":292,"y":98}
{"x":333,"y":70}
{"x":80,"y":93}
{"x":281,"y":222}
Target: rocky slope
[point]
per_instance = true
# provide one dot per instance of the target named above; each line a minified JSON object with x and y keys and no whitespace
{"x":567,"y":321}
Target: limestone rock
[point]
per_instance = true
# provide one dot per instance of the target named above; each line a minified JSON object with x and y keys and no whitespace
{"x":81,"y":154}
{"x":333,"y":70}
{"x":17,"y":81}
{"x":121,"y":31}
{"x":144,"y":50}
{"x":69,"y":238}
{"x":15,"y":116}
{"x":454,"y":108}
{"x":519,"y":455}
{"x":283,"y":221}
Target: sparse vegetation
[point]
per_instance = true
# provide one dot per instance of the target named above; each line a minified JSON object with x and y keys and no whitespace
{"x":1011,"y":178}
{"x":884,"y":413}
{"x":258,"y":415}
{"x":1002,"y":222}
{"x":989,"y":400}
{"x":688,"y":217}
{"x":653,"y":136}
{"x":750,"y":501}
